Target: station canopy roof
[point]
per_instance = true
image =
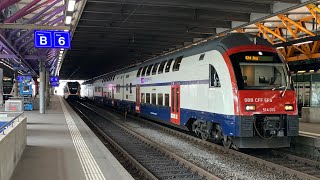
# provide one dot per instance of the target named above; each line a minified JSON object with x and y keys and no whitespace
{"x":108,"y":35}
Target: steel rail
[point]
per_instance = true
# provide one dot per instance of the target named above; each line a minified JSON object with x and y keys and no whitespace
{"x":124,"y":153}
{"x":151,"y":143}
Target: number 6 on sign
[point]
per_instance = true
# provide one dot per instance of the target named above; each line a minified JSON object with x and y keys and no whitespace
{"x":61,"y":39}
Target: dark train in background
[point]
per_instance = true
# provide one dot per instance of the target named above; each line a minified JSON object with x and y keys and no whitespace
{"x":234,"y":89}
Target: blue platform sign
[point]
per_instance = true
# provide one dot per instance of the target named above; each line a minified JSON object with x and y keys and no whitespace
{"x":54,"y":79}
{"x":61,"y":40}
{"x":42,"y":39}
{"x":51,"y":39}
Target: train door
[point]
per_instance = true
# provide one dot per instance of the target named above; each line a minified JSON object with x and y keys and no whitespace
{"x":138,"y":101}
{"x":175,"y":104}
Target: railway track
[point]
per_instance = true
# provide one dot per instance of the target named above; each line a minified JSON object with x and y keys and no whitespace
{"x":292,"y":165}
{"x":154,"y":161}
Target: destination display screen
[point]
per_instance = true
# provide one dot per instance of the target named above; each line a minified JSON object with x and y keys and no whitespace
{"x":259,"y":58}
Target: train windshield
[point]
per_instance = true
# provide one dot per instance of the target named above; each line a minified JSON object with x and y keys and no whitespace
{"x":73,"y":87}
{"x":260,"y":70}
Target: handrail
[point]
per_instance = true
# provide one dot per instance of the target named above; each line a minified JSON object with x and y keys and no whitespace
{"x":2,"y":128}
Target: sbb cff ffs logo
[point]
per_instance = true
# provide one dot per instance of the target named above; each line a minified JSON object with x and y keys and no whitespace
{"x":52,"y":39}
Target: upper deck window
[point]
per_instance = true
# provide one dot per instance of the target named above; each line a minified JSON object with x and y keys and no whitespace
{"x":144,"y":71}
{"x":139,"y":71}
{"x":168,"y":65}
{"x":177,"y":63}
{"x":155,"y":68}
{"x":161,"y":67}
{"x":149,"y":69}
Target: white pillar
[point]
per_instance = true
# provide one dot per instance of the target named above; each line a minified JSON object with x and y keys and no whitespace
{"x":15,"y":85}
{"x":47,"y":88}
{"x":42,"y":88}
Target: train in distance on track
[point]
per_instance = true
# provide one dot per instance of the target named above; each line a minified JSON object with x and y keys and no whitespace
{"x":235,"y":90}
{"x":72,"y":90}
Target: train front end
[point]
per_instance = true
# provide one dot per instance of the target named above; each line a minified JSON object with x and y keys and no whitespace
{"x":72,"y":91}
{"x":266,"y":107}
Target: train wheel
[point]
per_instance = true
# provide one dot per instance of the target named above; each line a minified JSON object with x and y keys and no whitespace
{"x":205,"y":136}
{"x":216,"y":134}
{"x":227,"y":141}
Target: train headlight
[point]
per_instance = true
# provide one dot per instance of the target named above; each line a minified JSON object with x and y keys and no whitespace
{"x":250,"y":107}
{"x":288,"y":107}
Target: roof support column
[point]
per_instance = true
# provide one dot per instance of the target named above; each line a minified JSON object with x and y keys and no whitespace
{"x":42,"y":72}
{"x":15,"y":84}
{"x":47,"y":88}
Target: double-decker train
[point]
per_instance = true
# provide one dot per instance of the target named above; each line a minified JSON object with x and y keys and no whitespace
{"x":234,"y":89}
{"x":71,"y":90}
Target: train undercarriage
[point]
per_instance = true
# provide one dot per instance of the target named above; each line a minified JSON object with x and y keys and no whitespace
{"x":260,"y":131}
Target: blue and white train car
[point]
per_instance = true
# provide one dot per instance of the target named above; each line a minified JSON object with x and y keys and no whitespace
{"x":235,"y":89}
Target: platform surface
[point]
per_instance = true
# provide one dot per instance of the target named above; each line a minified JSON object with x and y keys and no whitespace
{"x":57,"y":151}
{"x":311,"y":129}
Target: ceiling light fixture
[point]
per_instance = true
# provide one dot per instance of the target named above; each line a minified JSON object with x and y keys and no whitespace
{"x":71,"y":5}
{"x":68,"y":19}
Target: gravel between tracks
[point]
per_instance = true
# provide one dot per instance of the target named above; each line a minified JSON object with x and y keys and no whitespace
{"x":223,"y":165}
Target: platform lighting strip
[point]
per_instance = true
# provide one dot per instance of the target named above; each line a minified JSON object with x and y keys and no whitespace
{"x":70,"y":9}
{"x":89,"y":165}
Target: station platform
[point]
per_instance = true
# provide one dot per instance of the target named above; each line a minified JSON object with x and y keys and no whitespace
{"x":60,"y":146}
{"x":310,"y":129}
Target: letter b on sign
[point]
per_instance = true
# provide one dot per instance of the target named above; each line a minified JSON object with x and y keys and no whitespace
{"x":43,"y":40}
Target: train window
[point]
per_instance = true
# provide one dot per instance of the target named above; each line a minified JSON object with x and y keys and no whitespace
{"x":144,"y":71}
{"x":127,"y":87}
{"x":201,"y":57}
{"x":130,"y":88}
{"x":147,"y":98}
{"x":160,"y":99}
{"x":166,"y":100}
{"x":168,"y":65}
{"x":139,"y":71}
{"x":149,"y":70}
{"x":177,"y":63}
{"x":161,"y":67}
{"x":143,"y":98}
{"x":127,"y":96}
{"x":113,"y":77}
{"x":214,"y":77}
{"x":155,"y":68}
{"x":118,"y":88}
{"x":154,"y":98}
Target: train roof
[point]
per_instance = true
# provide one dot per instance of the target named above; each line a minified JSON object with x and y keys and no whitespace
{"x":221,"y":43}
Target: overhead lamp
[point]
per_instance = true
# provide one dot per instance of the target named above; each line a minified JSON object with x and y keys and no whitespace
{"x":71,"y":5}
{"x":68,"y":19}
{"x":300,"y":43}
{"x":301,"y":71}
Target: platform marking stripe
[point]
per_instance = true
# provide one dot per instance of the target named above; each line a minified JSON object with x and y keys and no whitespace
{"x":89,"y":165}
